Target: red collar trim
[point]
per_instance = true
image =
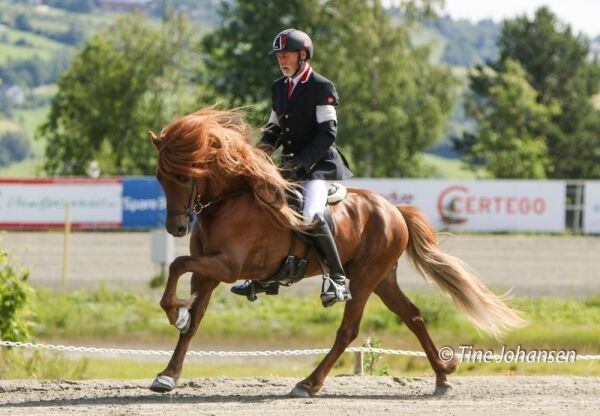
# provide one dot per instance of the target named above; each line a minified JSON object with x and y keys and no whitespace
{"x":304,"y":77}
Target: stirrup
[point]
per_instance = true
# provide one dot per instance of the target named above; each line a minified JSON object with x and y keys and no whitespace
{"x":250,"y":288}
{"x":336,"y":292}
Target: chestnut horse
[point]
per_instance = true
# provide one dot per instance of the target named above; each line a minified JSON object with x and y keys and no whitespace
{"x":207,"y":166}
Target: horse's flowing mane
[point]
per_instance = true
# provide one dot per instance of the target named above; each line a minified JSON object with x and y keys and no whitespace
{"x":214,"y":144}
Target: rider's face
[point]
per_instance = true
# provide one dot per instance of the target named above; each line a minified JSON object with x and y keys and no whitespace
{"x":288,"y":62}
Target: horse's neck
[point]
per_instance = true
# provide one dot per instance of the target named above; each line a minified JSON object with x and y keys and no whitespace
{"x":224,"y":187}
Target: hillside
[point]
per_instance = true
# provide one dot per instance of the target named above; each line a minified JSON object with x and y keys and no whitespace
{"x":38,"y":41}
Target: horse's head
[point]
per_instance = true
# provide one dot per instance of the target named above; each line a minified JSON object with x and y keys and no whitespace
{"x":182,"y":192}
{"x":207,"y":154}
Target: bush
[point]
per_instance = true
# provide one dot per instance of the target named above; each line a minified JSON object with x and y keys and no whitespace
{"x":22,"y":23}
{"x":14,"y":147}
{"x":14,"y":292}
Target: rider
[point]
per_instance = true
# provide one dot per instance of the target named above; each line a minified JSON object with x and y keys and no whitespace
{"x":303,"y":121}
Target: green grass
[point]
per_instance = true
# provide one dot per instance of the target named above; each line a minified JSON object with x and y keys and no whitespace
{"x":56,"y":20}
{"x":554,"y":322}
{"x":41,"y":46}
{"x":30,"y":120}
{"x":28,"y":168}
{"x":112,"y":318}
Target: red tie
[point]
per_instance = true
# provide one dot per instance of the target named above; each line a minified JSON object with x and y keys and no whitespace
{"x":290,"y":88}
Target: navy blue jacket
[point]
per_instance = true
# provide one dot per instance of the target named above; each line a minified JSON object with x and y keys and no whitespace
{"x":305,"y":141}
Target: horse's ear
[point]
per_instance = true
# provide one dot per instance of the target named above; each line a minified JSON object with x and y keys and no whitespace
{"x":155,"y":139}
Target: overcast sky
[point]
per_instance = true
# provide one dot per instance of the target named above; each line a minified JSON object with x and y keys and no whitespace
{"x":582,"y":15}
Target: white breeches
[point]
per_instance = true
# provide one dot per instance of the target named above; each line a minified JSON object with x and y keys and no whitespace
{"x":315,"y":198}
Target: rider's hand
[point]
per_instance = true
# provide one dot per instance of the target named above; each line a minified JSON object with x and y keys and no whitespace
{"x":293,"y":171}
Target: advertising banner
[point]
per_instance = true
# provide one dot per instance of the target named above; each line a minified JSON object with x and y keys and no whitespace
{"x":144,"y":203}
{"x":41,"y":203}
{"x":498,"y":205}
{"x":591,"y":213}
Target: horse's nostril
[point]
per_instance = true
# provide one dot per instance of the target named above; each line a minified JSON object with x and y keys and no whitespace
{"x":181,"y":230}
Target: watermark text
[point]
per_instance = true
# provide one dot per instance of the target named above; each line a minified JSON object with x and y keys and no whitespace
{"x":470,"y":354}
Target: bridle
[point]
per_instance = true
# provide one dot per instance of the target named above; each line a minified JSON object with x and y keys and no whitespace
{"x":195,"y":204}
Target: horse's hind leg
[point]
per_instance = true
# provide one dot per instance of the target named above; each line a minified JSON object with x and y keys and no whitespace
{"x":391,"y":295}
{"x":361,"y":287}
{"x":203,"y":289}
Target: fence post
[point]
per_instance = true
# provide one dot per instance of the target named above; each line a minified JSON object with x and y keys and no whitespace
{"x":66,"y":247}
{"x":359,"y":359}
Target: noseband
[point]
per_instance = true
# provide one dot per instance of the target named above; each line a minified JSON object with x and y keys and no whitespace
{"x":195,"y":204}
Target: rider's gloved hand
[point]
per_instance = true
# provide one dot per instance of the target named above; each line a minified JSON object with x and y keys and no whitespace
{"x":293,"y":171}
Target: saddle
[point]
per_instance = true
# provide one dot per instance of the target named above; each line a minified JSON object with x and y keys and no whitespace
{"x":294,"y":267}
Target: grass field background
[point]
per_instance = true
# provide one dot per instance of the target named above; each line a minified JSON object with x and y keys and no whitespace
{"x":108,"y":318}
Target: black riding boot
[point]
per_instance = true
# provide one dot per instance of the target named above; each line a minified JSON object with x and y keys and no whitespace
{"x":251,"y":287}
{"x":337,"y":290}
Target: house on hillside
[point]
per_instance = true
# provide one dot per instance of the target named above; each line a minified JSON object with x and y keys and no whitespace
{"x":126,"y":5}
{"x":15,"y":95}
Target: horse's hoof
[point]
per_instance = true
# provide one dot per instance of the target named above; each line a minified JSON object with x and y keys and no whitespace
{"x":300,"y":391}
{"x":183,"y":320}
{"x":443,"y":388}
{"x":162,"y":384}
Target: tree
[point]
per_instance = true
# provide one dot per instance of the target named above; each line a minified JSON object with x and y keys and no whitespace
{"x":126,"y":80}
{"x":511,"y":134}
{"x":394,"y":103}
{"x":556,"y":66}
{"x":14,"y":147}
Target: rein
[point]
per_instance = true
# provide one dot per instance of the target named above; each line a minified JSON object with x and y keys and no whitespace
{"x":196,"y":206}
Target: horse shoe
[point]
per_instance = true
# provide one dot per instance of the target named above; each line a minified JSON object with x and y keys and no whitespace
{"x":442,"y":389}
{"x":300,"y":391}
{"x":162,"y":384}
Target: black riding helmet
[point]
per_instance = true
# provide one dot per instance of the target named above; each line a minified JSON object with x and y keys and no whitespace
{"x":293,"y":40}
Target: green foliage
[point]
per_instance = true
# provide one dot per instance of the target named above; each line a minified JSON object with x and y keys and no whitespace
{"x":467,"y":43}
{"x":512,"y":133}
{"x":371,"y":362}
{"x":558,"y":135}
{"x":14,"y":294}
{"x":22,"y":22}
{"x":125,"y":80}
{"x":14,"y":147}
{"x":394,"y":103}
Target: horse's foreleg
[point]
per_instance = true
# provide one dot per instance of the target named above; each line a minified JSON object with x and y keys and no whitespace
{"x":391,"y":295}
{"x":214,"y":267}
{"x":203,"y":289}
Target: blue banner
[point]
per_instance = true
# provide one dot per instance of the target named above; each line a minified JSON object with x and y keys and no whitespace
{"x":144,"y":203}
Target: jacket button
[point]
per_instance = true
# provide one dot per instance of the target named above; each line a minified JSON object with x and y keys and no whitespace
{"x":291,"y":155}
{"x":289,"y":142}
{"x":286,"y":116}
{"x":287,"y":129}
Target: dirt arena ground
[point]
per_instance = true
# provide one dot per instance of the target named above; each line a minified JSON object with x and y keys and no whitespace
{"x":530,"y":265}
{"x":365,"y":396}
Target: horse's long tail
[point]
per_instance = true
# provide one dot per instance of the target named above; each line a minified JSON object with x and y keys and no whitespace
{"x":485,"y":309}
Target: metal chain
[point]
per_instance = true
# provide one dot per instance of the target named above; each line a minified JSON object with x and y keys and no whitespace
{"x":70,"y":348}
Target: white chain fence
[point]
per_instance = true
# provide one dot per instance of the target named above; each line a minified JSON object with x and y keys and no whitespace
{"x":121,"y":351}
